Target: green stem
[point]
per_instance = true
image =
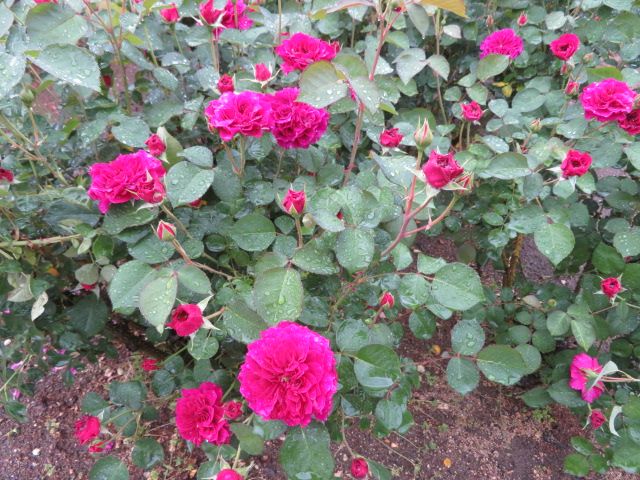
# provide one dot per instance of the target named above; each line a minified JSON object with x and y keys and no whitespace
{"x":39,"y":242}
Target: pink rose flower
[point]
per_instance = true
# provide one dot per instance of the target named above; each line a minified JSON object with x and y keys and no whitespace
{"x":6,"y":175}
{"x":607,"y":100}
{"x":233,"y":15}
{"x":87,"y":287}
{"x":232,"y":410}
{"x":170,"y":14}
{"x":522,"y":19}
{"x":440,"y":169}
{"x":387,"y":300}
{"x":225,"y":84}
{"x":502,"y":42}
{"x":45,"y":1}
{"x":630,"y":123}
{"x":301,"y":50}
{"x":575,"y":164}
{"x":359,"y":468}
{"x":565,"y":46}
{"x":296,"y":124}
{"x":186,"y":319}
{"x":150,"y":365}
{"x":197,"y":203}
{"x":165,"y":231}
{"x":228,"y":474}
{"x":133,"y":176}
{"x":596,"y":419}
{"x":289,"y":374}
{"x":294,"y":202}
{"x":261,"y":72}
{"x":611,"y":287}
{"x":472,"y":112}
{"x":391,"y":138}
{"x":155,"y":145}
{"x":571,"y":88}
{"x":582,"y":368}
{"x":87,"y":428}
{"x":247,"y":113}
{"x":200,"y":415}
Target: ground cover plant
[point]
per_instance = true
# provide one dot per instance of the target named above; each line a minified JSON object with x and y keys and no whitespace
{"x":241,"y":185}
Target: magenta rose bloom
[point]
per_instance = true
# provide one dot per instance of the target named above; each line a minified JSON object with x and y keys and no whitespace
{"x":186,"y":319}
{"x":631,"y":123}
{"x":582,"y":368}
{"x":155,"y":145}
{"x":359,"y":468}
{"x":228,"y":474}
{"x":575,"y":164}
{"x":200,"y":415}
{"x":133,"y":176}
{"x":596,"y":419}
{"x":565,"y":46}
{"x":247,"y":113}
{"x":391,"y":138}
{"x":296,"y":124}
{"x":289,"y":374}
{"x":233,"y":15}
{"x":261,"y":72}
{"x":87,"y":429}
{"x":440,"y":169}
{"x":170,"y":14}
{"x":232,"y":410}
{"x":225,"y":84}
{"x":301,"y":50}
{"x":611,"y":287}
{"x":502,"y":42}
{"x":471,"y":112}
{"x":607,"y":100}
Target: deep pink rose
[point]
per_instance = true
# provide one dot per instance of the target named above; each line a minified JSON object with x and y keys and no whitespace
{"x":296,"y":124}
{"x":630,"y":123}
{"x":150,"y":365}
{"x":170,"y":14}
{"x":133,"y":176}
{"x":6,"y":175}
{"x":611,"y":287}
{"x":387,"y":300}
{"x":596,"y":419}
{"x":46,"y":1}
{"x":100,"y":447}
{"x":87,"y":428}
{"x":502,"y":42}
{"x":565,"y":46}
{"x":232,"y":410}
{"x":391,"y":138}
{"x":472,"y":112}
{"x":228,"y":474}
{"x":359,"y":468}
{"x":294,"y":202}
{"x":155,"y":145}
{"x":289,"y":374}
{"x":261,"y":72}
{"x":522,"y":19}
{"x":571,"y":88}
{"x":301,"y":50}
{"x":200,"y":415}
{"x":233,"y":15}
{"x":440,"y":169}
{"x":583,"y":368}
{"x":225,"y":84}
{"x":575,"y":164}
{"x":186,"y":319}
{"x":247,"y":113}
{"x":607,"y":100}
{"x":197,"y":203}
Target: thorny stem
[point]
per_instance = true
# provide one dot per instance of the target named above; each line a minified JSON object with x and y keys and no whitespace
{"x":299,"y":231}
{"x":202,"y":266}
{"x":433,"y":223}
{"x":40,"y":242}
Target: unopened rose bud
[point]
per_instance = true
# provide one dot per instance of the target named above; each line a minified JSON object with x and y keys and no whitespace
{"x":261,"y":72}
{"x":571,"y":88}
{"x":536,"y":125}
{"x":507,"y":90}
{"x":387,"y":300}
{"x":170,"y":14}
{"x":522,"y":19}
{"x":564,"y":68}
{"x":294,"y":202}
{"x":490,"y":21}
{"x":308,"y":221}
{"x":27,"y":96}
{"x":165,"y":231}
{"x":423,"y":135}
{"x":156,"y":145}
{"x":588,"y":57}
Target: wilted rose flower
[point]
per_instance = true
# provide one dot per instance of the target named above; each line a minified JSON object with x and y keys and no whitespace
{"x":596,"y":419}
{"x":200,"y":415}
{"x":87,"y":428}
{"x":472,"y":111}
{"x":186,"y":319}
{"x":247,"y":113}
{"x":565,"y":46}
{"x":155,"y":145}
{"x":440,"y":169}
{"x":391,"y":138}
{"x":607,"y":100}
{"x":502,"y":42}
{"x":296,"y":124}
{"x":294,"y":202}
{"x":630,"y":123}
{"x":170,"y":14}
{"x":301,"y":50}
{"x":611,"y":287}
{"x":575,"y":164}
{"x":583,"y":369}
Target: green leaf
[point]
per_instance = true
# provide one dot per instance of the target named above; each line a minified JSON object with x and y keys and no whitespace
{"x":409,"y":63}
{"x":491,"y":65}
{"x":147,"y":453}
{"x":131,"y":131}
{"x":584,"y":332}
{"x":628,"y":243}
{"x":389,"y":413}
{"x":625,"y":455}
{"x":243,"y":324}
{"x":413,"y":291}
{"x":11,"y":71}
{"x":501,"y":364}
{"x":508,"y":166}
{"x":305,"y":453}
{"x":555,"y":241}
{"x":430,"y":265}
{"x":607,"y":260}
{"x":6,"y":20}
{"x":249,"y":441}
{"x":163,"y":383}
{"x":377,"y":366}
{"x":121,"y":217}
{"x":367,"y":92}
{"x":127,"y":283}
{"x":564,"y":395}
{"x":355,"y":248}
{"x":129,"y":394}
{"x":157,"y":299}
{"x":439,"y":65}
{"x":397,"y":169}
{"x":89,"y":316}
{"x":187,"y":182}
{"x":582,"y":445}
{"x":278,"y":295}
{"x":320,"y":85}
{"x":558,"y":323}
{"x":71,"y":64}
{"x":467,"y":337}
{"x":462,"y":375}
{"x":600,"y":73}
{"x":203,"y":345}
{"x":109,"y":468}
{"x":576,"y":464}
{"x":253,"y":233}
{"x":455,"y":6}
{"x":536,"y":398}
{"x":54,"y":23}
{"x":315,"y":259}
{"x":457,"y":286}
{"x":191,"y":277}
{"x":422,"y":324}
{"x":531,"y":356}
{"x":200,"y":156}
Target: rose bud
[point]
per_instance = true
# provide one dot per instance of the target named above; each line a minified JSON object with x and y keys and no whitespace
{"x":489,"y":21}
{"x":186,"y":319}
{"x":472,"y":112}
{"x":423,"y":135}
{"x":294,"y":202}
{"x":225,"y":84}
{"x":390,"y":138}
{"x":232,"y":410}
{"x":261,"y":72}
{"x":596,"y":419}
{"x":359,"y":468}
{"x":197,"y":203}
{"x":106,"y":79}
{"x":440,"y":169}
{"x":6,"y":175}
{"x":228,"y":474}
{"x":165,"y":231}
{"x":571,"y":88}
{"x":150,"y":365}
{"x":155,"y":145}
{"x":575,"y":164}
{"x":170,"y":14}
{"x":536,"y":125}
{"x":387,"y":300}
{"x":522,"y":19}
{"x":611,"y":287}
{"x":87,"y":287}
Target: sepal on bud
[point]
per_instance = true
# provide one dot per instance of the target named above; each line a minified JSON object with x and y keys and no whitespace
{"x":166,"y":231}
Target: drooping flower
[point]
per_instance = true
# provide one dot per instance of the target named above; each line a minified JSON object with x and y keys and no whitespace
{"x":472,"y":112}
{"x":261,"y":72}
{"x":359,"y":468}
{"x":571,"y":88}
{"x":296,"y":124}
{"x":247,"y":113}
{"x":502,"y":42}
{"x":225,"y":84}
{"x":200,"y":415}
{"x":522,"y":19}
{"x":87,"y":429}
{"x":565,"y":46}
{"x":294,"y":202}
{"x":631,"y":123}
{"x":582,"y":369}
{"x":170,"y":14}
{"x":596,"y":419}
{"x":6,"y":175}
{"x":387,"y":300}
{"x":165,"y":231}
{"x":228,"y":474}
{"x":155,"y":145}
{"x":186,"y":319}
{"x":607,"y":100}
{"x":391,"y":138}
{"x":301,"y":50}
{"x":232,"y":410}
{"x":575,"y":164}
{"x":440,"y":169}
{"x":289,"y":374}
{"x":611,"y":287}
{"x":233,"y":15}
{"x":133,"y":176}
{"x":150,"y":365}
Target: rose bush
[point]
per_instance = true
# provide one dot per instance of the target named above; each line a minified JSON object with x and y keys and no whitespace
{"x":242,"y":185}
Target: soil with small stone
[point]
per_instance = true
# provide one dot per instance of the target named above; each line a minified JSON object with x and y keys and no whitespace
{"x":489,"y":434}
